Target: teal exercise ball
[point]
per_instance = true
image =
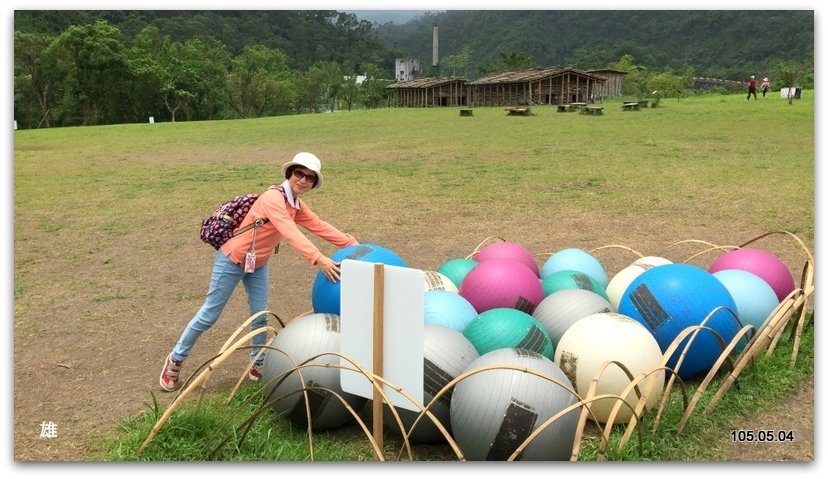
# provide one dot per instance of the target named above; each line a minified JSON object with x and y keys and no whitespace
{"x":456,"y":269}
{"x":508,"y":328}
{"x":571,"y":279}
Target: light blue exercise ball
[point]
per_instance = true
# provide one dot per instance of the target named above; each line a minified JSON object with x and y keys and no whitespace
{"x":444,"y":308}
{"x":578,"y":260}
{"x":755,"y":299}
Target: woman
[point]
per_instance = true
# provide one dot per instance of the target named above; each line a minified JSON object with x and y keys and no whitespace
{"x":765,"y":86}
{"x":244,"y":258}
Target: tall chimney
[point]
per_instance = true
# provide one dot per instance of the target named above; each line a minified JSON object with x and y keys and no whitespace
{"x":434,"y":57}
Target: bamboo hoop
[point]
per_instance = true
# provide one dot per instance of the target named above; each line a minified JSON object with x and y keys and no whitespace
{"x":191,"y":384}
{"x":795,"y":237}
{"x":639,"y":407}
{"x":477,"y":249}
{"x":693,"y":332}
{"x":725,"y":356}
{"x":719,"y":248}
{"x":632,"y":386}
{"x":689,"y":241}
{"x":752,"y":352}
{"x":807,"y":285}
{"x":618,"y":246}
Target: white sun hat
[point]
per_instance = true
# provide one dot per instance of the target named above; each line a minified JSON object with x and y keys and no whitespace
{"x":309,"y":161}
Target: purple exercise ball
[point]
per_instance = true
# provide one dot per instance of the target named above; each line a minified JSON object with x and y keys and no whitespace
{"x":502,"y":283}
{"x":509,"y":250}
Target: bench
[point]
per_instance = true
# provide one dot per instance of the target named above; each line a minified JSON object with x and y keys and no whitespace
{"x":643,"y":103}
{"x":630,"y":106}
{"x":517,"y":110}
{"x":593,"y":110}
{"x":563,"y":108}
{"x":466,"y":112}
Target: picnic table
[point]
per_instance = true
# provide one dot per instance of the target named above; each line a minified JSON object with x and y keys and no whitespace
{"x":564,"y":108}
{"x":593,"y":110}
{"x":578,"y":104}
{"x":630,"y":105}
{"x":466,"y":112}
{"x":643,"y":103}
{"x":517,"y":110}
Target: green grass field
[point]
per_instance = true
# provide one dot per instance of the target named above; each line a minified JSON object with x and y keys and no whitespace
{"x":107,"y":261}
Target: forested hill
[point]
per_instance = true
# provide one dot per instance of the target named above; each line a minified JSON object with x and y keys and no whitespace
{"x":305,"y":36}
{"x":718,"y":43}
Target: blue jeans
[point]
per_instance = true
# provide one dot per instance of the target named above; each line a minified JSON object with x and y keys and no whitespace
{"x":226,"y":276}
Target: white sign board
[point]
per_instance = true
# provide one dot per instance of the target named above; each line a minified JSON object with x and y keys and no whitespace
{"x":403,"y":325}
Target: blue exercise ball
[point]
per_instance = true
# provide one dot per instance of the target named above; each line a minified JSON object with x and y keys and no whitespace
{"x":444,"y":308}
{"x":578,"y":260}
{"x":325,"y":294}
{"x":668,"y":299}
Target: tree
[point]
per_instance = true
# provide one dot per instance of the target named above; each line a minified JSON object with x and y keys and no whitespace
{"x":791,"y":74}
{"x":459,"y":62}
{"x":90,"y":59}
{"x":33,"y":78}
{"x":145,"y":74}
{"x":516,"y":61}
{"x":259,"y":82}
{"x":373,"y":92}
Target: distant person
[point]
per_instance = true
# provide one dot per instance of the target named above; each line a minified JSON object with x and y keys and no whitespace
{"x":765,"y":87}
{"x":244,"y":258}
{"x":751,"y":88}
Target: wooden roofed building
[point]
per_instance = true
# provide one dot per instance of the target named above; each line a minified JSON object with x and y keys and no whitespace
{"x":535,"y":86}
{"x":429,"y":92}
{"x":613,"y":85}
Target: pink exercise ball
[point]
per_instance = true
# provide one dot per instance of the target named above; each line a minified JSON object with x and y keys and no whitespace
{"x":508,"y":250}
{"x":761,"y":263}
{"x":502,"y":283}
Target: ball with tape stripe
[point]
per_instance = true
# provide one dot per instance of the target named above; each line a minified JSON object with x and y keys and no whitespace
{"x":508,"y":328}
{"x":502,"y":283}
{"x":446,"y":354}
{"x":670,"y":298}
{"x":302,"y":339}
{"x":494,"y":411}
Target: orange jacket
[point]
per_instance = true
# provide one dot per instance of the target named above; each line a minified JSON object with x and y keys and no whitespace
{"x":283,"y":217}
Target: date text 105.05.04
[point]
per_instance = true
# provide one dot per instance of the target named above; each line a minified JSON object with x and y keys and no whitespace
{"x":761,"y":435}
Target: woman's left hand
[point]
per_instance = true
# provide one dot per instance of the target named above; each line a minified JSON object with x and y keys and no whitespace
{"x":329,"y":268}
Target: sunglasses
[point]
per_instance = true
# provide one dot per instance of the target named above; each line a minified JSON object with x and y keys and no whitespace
{"x":311,"y":177}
